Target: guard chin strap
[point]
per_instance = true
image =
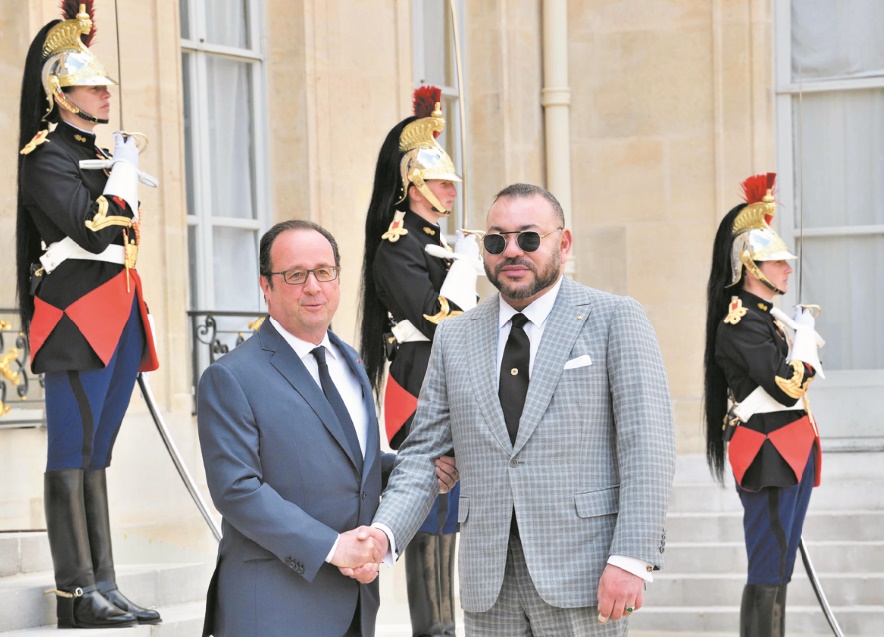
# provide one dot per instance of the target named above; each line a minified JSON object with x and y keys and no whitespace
{"x":418,"y":182}
{"x":756,"y":271}
{"x":69,"y":105}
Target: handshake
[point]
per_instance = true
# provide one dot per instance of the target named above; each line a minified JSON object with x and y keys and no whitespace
{"x":359,"y":553}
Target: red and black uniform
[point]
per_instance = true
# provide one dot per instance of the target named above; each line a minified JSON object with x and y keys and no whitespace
{"x":83,"y":309}
{"x":81,"y":306}
{"x":775,"y":455}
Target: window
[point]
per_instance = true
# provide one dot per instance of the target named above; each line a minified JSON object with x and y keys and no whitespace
{"x":435,"y":63}
{"x":830,"y":122}
{"x":224,"y":116}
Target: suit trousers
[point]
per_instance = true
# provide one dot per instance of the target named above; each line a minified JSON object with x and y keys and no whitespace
{"x":520,"y":611}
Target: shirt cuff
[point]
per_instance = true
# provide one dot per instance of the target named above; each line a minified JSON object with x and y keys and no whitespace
{"x":331,"y":553}
{"x":633,"y":565}
{"x":390,"y":557}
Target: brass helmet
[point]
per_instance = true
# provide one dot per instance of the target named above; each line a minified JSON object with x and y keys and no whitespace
{"x":754,"y":239}
{"x":424,"y":158}
{"x":68,"y":62}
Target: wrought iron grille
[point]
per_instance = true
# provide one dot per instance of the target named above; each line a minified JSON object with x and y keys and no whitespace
{"x":22,"y":401}
{"x":213,"y":334}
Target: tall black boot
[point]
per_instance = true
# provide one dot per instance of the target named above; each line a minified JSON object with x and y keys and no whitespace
{"x":98,"y":523}
{"x":763,"y":611}
{"x":445,"y":557}
{"x":422,"y":580}
{"x":79,"y":603}
{"x":780,"y":612}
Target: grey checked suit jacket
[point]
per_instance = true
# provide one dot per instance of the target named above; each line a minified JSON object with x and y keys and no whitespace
{"x":590,"y":472}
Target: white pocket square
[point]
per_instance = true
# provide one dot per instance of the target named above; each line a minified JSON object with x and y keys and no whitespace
{"x":580,"y":361}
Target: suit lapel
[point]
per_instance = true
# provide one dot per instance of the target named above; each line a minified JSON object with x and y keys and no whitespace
{"x":567,"y":318}
{"x":287,"y":363}
{"x":481,"y":337}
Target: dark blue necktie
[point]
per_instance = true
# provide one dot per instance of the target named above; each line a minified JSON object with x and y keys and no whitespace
{"x":514,"y":375}
{"x":338,"y":406}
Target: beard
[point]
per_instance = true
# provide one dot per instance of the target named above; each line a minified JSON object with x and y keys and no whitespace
{"x":544,"y":278}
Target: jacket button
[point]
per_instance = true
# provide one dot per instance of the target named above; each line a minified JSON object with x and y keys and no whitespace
{"x":363,"y":495}
{"x":514,"y":462}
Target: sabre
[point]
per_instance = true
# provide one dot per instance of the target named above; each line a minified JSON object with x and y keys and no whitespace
{"x":805,"y":555}
{"x":461,"y":106}
{"x":140,"y":138}
{"x":818,"y":590}
{"x":172,"y":448}
{"x":146,"y":392}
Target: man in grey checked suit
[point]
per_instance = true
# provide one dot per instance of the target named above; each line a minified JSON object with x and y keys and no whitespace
{"x":560,"y":529}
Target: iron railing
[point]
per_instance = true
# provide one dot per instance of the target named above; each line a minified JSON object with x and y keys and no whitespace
{"x":21,"y":391}
{"x":22,"y":403}
{"x":213,"y":334}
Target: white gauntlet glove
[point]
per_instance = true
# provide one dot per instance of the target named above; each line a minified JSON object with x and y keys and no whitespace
{"x":806,"y":344}
{"x":123,"y":180}
{"x":460,"y":284}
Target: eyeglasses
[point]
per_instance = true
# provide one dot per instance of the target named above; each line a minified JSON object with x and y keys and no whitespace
{"x":528,"y":240}
{"x":299,"y":277}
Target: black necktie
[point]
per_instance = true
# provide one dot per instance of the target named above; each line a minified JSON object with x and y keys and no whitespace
{"x":514,"y":375}
{"x":337,"y":405}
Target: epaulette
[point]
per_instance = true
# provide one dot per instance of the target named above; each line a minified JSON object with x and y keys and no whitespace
{"x":736,"y":311}
{"x":39,"y":138}
{"x":397,"y":228}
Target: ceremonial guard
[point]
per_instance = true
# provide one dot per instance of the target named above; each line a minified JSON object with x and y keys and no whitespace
{"x":759,"y":363}
{"x":81,"y":303}
{"x":412,"y":280}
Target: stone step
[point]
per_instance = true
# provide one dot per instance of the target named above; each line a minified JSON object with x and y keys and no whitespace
{"x":819,"y":525}
{"x":24,"y":552}
{"x":179,"y":620}
{"x":726,"y":589}
{"x":23,"y":603}
{"x":855,"y":621}
{"x":730,"y":557}
{"x":847,"y":495}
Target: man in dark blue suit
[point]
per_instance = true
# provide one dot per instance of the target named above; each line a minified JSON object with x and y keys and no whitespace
{"x":291,"y":448}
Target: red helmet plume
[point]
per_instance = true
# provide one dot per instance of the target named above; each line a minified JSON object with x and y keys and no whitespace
{"x":756,"y":187}
{"x":425,"y":100}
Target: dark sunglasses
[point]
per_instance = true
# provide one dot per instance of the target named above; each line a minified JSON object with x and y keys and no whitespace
{"x":527,"y":240}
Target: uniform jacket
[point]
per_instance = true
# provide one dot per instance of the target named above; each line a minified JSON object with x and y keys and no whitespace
{"x":772,"y":448}
{"x":82,"y":307}
{"x":408,"y":281}
{"x":282,"y":475}
{"x":591,"y":470}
